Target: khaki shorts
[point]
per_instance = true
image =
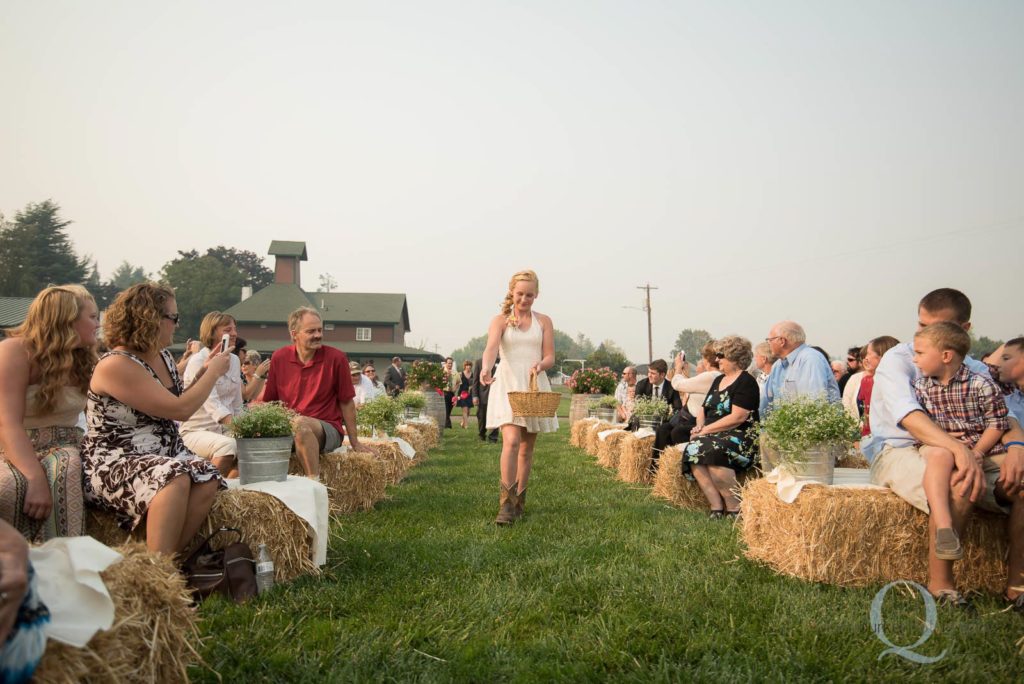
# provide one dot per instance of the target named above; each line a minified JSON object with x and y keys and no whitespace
{"x":209,"y":445}
{"x":901,"y":469}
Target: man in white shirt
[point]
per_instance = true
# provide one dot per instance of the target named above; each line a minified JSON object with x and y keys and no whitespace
{"x":801,"y":371}
{"x":624,"y":394}
{"x":365,"y":390}
{"x":898,"y":423}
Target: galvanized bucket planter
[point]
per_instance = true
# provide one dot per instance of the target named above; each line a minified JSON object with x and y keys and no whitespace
{"x":651,"y":423}
{"x":579,"y":406}
{"x":816,"y":464}
{"x":605,"y":414}
{"x":264,"y":459}
{"x":411,"y":413}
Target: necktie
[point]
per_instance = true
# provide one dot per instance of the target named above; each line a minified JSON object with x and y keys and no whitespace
{"x":657,"y":392}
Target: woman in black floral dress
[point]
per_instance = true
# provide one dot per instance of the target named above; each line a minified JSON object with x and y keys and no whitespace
{"x":134,"y":461}
{"x":720,"y":445}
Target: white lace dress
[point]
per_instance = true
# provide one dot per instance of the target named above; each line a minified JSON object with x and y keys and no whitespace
{"x":518,"y":351}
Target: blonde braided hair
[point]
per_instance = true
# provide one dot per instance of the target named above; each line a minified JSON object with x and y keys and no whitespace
{"x":506,"y":306}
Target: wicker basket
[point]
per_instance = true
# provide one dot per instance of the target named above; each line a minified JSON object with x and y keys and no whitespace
{"x":534,"y":404}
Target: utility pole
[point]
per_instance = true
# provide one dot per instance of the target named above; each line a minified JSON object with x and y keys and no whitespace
{"x":647,"y":307}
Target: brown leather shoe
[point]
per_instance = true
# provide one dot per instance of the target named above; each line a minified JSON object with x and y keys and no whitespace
{"x":507,"y":505}
{"x":520,"y":503}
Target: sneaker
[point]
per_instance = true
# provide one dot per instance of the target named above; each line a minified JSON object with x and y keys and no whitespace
{"x":951,"y":598}
{"x":947,"y":544}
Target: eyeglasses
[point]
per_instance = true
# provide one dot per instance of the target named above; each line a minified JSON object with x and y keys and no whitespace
{"x":777,"y":337}
{"x":370,"y":372}
{"x":247,"y":363}
{"x":173,"y":317}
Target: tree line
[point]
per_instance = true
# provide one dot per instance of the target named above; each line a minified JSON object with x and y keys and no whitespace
{"x":36,"y":252}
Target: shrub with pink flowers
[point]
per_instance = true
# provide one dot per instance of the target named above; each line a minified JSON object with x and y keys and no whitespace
{"x":593,"y":381}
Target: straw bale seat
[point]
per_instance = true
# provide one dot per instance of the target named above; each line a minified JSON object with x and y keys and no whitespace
{"x":154,"y":636}
{"x":262,"y":519}
{"x":591,"y":439}
{"x":416,"y":439}
{"x":635,"y":458}
{"x":671,"y":485}
{"x":578,"y":430}
{"x":390,"y":454}
{"x":354,"y":481}
{"x":608,"y":449}
{"x":431,"y":435}
{"x":854,"y":537}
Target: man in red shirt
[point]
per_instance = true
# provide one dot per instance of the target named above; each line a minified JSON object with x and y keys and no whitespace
{"x":314,"y":381}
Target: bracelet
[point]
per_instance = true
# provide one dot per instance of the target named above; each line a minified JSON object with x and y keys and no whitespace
{"x":1014,"y":443}
{"x":262,"y":377}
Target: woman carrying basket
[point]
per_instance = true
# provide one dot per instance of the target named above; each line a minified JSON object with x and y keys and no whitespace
{"x":525,"y":340}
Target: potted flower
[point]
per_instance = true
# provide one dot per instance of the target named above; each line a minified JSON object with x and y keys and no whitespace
{"x":425,"y":375}
{"x":379,"y":416}
{"x":603,"y":408}
{"x":650,"y":412}
{"x":586,"y":385}
{"x":805,"y":435}
{"x":413,"y":403}
{"x":263,"y":435}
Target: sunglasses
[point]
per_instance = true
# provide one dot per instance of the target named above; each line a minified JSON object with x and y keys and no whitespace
{"x":719,"y":355}
{"x":174,"y":318}
{"x":850,"y":359}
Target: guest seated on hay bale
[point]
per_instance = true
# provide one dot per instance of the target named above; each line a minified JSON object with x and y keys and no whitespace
{"x":22,"y":615}
{"x":45,"y":366}
{"x":316,"y":382}
{"x":763,"y":361}
{"x":677,"y":429}
{"x":365,"y":390}
{"x":205,"y":433}
{"x":898,"y":422}
{"x":854,"y":355}
{"x":625,"y":392}
{"x":133,"y":457}
{"x":720,"y":444}
{"x":254,"y":374}
{"x":960,"y":402}
{"x":1009,"y":372}
{"x":800,"y":370}
{"x":873,"y":353}
{"x":655,"y":385}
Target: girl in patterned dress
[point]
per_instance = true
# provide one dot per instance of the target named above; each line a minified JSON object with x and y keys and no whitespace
{"x":134,"y":461}
{"x":525,"y":339}
{"x":45,"y":366}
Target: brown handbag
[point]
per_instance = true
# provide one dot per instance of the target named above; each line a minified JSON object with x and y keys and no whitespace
{"x":230,"y":571}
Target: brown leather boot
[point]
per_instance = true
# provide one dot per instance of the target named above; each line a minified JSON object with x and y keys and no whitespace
{"x":506,"y":512}
{"x":519,"y":504}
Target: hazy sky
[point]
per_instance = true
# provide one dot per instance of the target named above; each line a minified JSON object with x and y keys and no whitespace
{"x":754,"y":161}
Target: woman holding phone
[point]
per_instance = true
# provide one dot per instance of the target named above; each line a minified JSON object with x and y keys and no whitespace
{"x":525,"y":340}
{"x":133,"y":457}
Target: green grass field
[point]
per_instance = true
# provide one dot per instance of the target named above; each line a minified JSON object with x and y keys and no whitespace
{"x":599,"y":582}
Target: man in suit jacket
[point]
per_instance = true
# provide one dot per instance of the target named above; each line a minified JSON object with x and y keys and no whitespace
{"x":480,"y":394}
{"x":394,"y":378}
{"x":655,"y":385}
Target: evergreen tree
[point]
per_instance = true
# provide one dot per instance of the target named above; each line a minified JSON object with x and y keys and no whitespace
{"x":35,"y":252}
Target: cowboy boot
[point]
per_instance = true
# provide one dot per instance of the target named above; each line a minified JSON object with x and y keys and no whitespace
{"x":507,"y":502}
{"x":520,"y":503}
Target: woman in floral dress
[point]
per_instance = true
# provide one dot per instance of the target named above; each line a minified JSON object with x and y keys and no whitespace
{"x":721,"y":444}
{"x":134,"y":461}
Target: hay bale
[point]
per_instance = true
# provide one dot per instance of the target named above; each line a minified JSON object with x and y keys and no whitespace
{"x":577,"y":431}
{"x":355,"y":481}
{"x":154,"y":635}
{"x":591,"y":440}
{"x":102,"y":526}
{"x":263,"y":519}
{"x":635,"y":459}
{"x":429,"y":431}
{"x":671,"y":485}
{"x":855,"y":537}
{"x":390,"y":454}
{"x":608,"y":450}
{"x":415,"y":438}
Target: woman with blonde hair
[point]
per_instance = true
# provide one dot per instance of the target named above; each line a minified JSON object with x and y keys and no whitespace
{"x":45,"y":366}
{"x":135,"y":462}
{"x":525,"y":340}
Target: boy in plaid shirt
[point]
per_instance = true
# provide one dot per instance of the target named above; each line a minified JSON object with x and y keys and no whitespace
{"x":964,"y":404}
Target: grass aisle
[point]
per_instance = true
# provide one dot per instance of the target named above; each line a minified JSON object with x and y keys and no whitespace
{"x":600,"y":581}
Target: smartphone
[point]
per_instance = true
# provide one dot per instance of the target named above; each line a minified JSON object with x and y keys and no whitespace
{"x":224,"y":342}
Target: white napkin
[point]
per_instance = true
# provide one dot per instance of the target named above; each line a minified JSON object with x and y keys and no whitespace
{"x":406,"y":448}
{"x":306,"y":498}
{"x":788,"y":487}
{"x":603,"y":435}
{"x":68,"y":578}
{"x":644,"y":432}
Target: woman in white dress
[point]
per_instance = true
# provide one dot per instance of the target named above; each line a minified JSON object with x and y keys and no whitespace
{"x":526,"y":342}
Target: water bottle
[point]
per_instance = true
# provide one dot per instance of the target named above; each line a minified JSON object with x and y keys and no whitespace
{"x":264,"y":570}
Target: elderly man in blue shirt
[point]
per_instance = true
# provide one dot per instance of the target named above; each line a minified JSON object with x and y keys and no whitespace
{"x":800,"y":371}
{"x":898,"y":424}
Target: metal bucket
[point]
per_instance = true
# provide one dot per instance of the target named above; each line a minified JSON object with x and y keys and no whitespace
{"x":579,"y":406}
{"x":817,"y":464}
{"x":650,"y":423}
{"x":411,"y":413}
{"x":605,"y":414}
{"x":264,"y":459}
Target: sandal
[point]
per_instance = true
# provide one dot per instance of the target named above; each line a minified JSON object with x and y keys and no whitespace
{"x":1015,"y":604}
{"x":952,"y":598}
{"x":733,"y":515}
{"x":715,"y":514}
